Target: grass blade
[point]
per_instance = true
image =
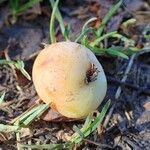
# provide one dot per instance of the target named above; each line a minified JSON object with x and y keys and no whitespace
{"x":25,"y":115}
{"x":77,"y":139}
{"x":9,"y":128}
{"x":114,"y":52}
{"x":14,"y":4}
{"x":18,"y":141}
{"x":96,"y":50}
{"x":87,"y":22}
{"x":128,"y":22}
{"x":6,"y":62}
{"x":98,"y":40}
{"x":66,"y":146}
{"x":2,"y":98}
{"x":20,"y":66}
{"x":83,"y":34}
{"x":127,"y":41}
{"x":88,"y":121}
{"x":60,"y":20}
{"x":30,"y":116}
{"x":27,"y":5}
{"x":17,"y":64}
{"x":77,"y":130}
{"x":35,"y":115}
{"x":108,"y":16}
{"x":52,"y":30}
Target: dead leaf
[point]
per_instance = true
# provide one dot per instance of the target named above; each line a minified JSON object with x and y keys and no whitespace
{"x":25,"y":132}
{"x":147,"y":106}
{"x":115,"y":22}
{"x":143,"y":17}
{"x":2,"y":137}
{"x":61,"y":135}
{"x":54,"y":116}
{"x":51,"y":115}
{"x":133,"y":5}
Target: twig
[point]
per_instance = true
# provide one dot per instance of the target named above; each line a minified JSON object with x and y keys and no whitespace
{"x":18,"y":139}
{"x":132,"y":144}
{"x":98,"y":144}
{"x":13,"y":68}
{"x":29,"y":143}
{"x":11,"y":65}
{"x":33,"y":55}
{"x":5,"y":104}
{"x":3,"y":136}
{"x":118,"y":92}
{"x":132,"y":86}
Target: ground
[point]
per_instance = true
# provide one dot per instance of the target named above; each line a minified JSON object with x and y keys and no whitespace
{"x":129,"y":125}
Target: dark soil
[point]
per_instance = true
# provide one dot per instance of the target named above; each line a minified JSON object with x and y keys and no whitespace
{"x":129,"y":126}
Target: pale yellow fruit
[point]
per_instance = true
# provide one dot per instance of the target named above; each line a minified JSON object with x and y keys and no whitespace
{"x":60,"y":78}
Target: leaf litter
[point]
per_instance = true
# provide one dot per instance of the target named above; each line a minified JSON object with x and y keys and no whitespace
{"x":127,"y":120}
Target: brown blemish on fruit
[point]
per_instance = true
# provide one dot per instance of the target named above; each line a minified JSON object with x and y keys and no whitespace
{"x":53,"y":106}
{"x":91,"y":74}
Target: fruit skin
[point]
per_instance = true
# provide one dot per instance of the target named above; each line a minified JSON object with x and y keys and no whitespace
{"x":59,"y":75}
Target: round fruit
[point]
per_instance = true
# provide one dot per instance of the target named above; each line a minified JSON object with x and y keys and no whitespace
{"x":69,"y":77}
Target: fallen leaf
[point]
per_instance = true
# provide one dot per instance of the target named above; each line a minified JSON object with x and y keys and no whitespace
{"x":115,"y":22}
{"x":25,"y":132}
{"x":133,"y":5}
{"x":147,"y":106}
{"x":61,"y":135}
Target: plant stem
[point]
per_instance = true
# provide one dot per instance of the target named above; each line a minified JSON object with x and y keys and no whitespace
{"x":102,"y":38}
{"x":52,"y":31}
{"x":83,"y":34}
{"x":60,"y":20}
{"x":111,"y":12}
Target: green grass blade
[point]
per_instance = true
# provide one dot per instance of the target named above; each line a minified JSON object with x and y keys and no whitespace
{"x":17,"y":64}
{"x":23,"y":116}
{"x":31,"y":115}
{"x":84,"y":40}
{"x":85,"y":30}
{"x":88,"y":121}
{"x":83,"y":34}
{"x":60,"y":20}
{"x":147,"y":37}
{"x":113,"y":52}
{"x":66,"y":146}
{"x":35,"y":115}
{"x":52,"y":30}
{"x":96,"y":50}
{"x":77,"y":130}
{"x":27,"y":5}
{"x":87,"y":22}
{"x":9,"y":128}
{"x":127,"y":41}
{"x":128,"y":22}
{"x":77,"y":139}
{"x":14,"y":4}
{"x":2,"y":98}
{"x":106,"y":19}
{"x":6,"y":62}
{"x":98,"y":40}
{"x":20,"y":66}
